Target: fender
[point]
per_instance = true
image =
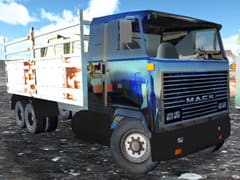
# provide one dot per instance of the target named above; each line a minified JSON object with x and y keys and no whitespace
{"x":122,"y":113}
{"x":16,"y":98}
{"x":44,"y":108}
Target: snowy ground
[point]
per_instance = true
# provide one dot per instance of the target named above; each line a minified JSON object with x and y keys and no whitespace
{"x":59,"y":155}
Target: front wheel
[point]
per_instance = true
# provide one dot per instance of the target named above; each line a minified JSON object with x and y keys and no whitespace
{"x":130,"y":147}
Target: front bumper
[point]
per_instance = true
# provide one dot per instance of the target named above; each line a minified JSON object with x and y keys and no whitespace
{"x":187,"y":140}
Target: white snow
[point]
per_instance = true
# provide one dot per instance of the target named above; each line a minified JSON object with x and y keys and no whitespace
{"x":224,"y":152}
{"x":235,"y":176}
{"x":56,"y":159}
{"x":47,"y":148}
{"x":8,"y":132}
{"x":74,"y":173}
{"x":190,"y":176}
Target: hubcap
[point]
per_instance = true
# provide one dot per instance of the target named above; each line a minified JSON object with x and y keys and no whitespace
{"x":135,"y":147}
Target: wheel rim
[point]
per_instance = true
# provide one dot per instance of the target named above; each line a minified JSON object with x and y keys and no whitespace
{"x":135,"y":147}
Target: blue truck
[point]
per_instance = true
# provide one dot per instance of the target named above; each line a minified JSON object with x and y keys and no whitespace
{"x":151,"y":85}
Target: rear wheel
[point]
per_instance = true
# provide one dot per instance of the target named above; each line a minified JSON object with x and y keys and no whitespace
{"x":34,"y":124}
{"x":19,"y":113}
{"x":130,"y":147}
{"x":51,"y":123}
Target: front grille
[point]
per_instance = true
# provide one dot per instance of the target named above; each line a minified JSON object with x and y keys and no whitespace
{"x":188,"y":95}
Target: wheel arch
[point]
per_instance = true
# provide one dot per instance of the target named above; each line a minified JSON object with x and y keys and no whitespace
{"x":45,"y":108}
{"x":123,"y":114}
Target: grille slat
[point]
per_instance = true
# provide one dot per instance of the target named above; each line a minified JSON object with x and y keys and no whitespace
{"x":194,"y":94}
{"x":198,"y":110}
{"x":196,"y":75}
{"x":194,"y":79}
{"x":221,"y":95}
{"x":195,"y":83}
{"x":199,"y":114}
{"x":195,"y":87}
{"x":199,"y":106}
{"x":196,"y":91}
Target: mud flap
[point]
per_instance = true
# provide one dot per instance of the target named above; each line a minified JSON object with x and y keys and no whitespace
{"x":93,"y":127}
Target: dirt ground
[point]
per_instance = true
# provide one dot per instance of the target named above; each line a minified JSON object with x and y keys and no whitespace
{"x":60,"y":155}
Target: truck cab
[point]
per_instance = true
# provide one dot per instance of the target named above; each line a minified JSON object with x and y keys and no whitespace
{"x":170,"y":73}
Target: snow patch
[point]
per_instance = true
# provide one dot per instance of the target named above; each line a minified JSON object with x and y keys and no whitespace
{"x":73,"y":173}
{"x":47,"y":148}
{"x":224,"y":152}
{"x":8,"y":132}
{"x":190,"y":176}
{"x":56,"y":159}
{"x":20,"y":154}
{"x":235,"y":176}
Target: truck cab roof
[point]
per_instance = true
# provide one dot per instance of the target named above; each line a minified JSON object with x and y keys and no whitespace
{"x":168,"y":20}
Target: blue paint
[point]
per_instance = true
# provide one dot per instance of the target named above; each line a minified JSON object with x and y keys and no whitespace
{"x":113,"y":125}
{"x":152,"y":99}
{"x":145,"y":13}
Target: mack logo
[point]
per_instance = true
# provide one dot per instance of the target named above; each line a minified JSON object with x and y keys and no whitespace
{"x":194,"y":99}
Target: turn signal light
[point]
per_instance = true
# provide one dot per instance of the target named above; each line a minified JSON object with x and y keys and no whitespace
{"x":178,"y":152}
{"x":233,"y":66}
{"x":150,"y":66}
{"x":220,"y":137}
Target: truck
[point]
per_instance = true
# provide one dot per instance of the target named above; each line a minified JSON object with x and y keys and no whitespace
{"x":152,"y":86}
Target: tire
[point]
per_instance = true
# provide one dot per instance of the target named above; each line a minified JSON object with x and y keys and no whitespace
{"x":19,"y":114}
{"x":51,"y":123}
{"x":34,"y":125}
{"x":218,"y":146}
{"x":130,"y":147}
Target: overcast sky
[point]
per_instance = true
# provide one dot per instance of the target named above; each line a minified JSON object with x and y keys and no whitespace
{"x":17,"y":16}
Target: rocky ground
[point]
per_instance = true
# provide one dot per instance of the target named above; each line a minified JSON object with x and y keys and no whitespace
{"x":60,"y":155}
{"x":2,"y":73}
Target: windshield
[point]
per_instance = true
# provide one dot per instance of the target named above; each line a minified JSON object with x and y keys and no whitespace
{"x":197,"y":44}
{"x":189,"y":39}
